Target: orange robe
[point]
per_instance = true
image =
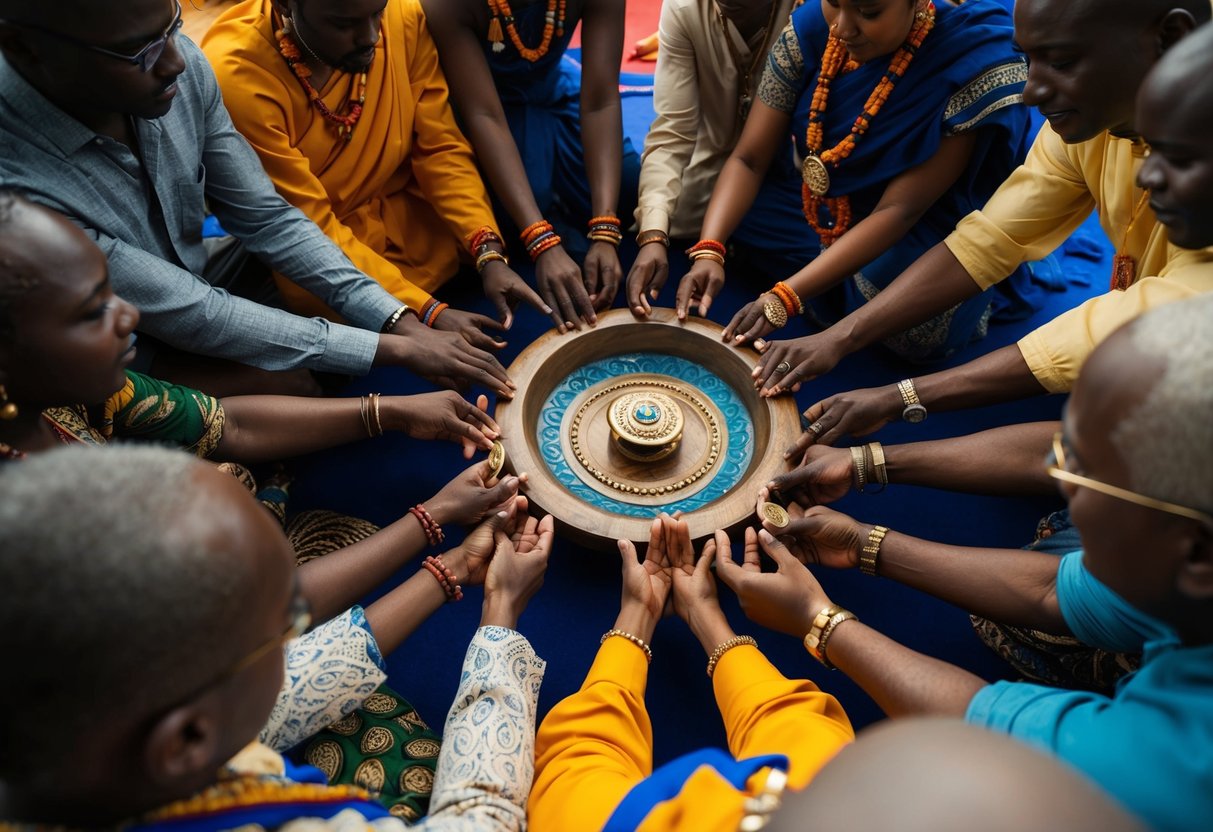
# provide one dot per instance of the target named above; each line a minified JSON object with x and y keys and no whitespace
{"x":402,"y":196}
{"x":597,"y":744}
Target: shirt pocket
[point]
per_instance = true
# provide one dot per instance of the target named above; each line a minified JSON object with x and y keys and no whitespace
{"x":191,"y":205}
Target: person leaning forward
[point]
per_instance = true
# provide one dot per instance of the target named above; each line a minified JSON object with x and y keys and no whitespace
{"x":112,"y":117}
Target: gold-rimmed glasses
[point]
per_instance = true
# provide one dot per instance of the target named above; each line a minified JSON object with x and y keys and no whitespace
{"x":1056,"y":468}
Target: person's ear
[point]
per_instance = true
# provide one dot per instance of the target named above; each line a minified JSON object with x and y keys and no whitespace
{"x":1195,"y":580}
{"x":183,"y":744}
{"x":1174,"y":25}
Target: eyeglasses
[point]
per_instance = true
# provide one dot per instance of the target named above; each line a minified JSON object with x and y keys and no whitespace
{"x":1056,"y":468}
{"x":301,"y":619}
{"x":145,"y":58}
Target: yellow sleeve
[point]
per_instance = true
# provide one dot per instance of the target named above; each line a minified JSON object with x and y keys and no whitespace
{"x":442,"y":158}
{"x":1056,"y":351}
{"x":1040,"y":204}
{"x":766,"y":713}
{"x":594,"y":746}
{"x":254,"y":97}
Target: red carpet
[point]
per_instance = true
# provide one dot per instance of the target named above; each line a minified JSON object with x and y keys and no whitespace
{"x":641,"y":21}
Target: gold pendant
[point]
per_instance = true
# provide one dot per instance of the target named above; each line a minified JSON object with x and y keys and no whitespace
{"x":815,"y":175}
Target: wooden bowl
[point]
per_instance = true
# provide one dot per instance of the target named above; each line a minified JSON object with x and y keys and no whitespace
{"x":557,"y":429}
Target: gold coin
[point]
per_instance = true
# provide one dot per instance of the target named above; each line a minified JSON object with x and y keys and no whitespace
{"x":496,"y":460}
{"x":775,"y":514}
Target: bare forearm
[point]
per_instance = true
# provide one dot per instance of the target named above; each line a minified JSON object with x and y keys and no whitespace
{"x":1001,"y":461}
{"x":490,"y":136}
{"x":333,"y":582}
{"x":602,"y":133}
{"x":733,"y":195}
{"x":934,"y":283}
{"x":900,"y":680}
{"x":999,"y":376}
{"x":397,"y":615}
{"x":1012,"y":586}
{"x":870,"y":238}
{"x":263,"y":428}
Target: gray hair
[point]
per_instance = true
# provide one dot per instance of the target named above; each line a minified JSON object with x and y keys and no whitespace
{"x":1167,"y":440}
{"x":104,"y":607}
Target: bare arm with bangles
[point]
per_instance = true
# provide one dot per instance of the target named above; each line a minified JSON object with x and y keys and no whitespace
{"x":1003,"y":461}
{"x":333,"y":582}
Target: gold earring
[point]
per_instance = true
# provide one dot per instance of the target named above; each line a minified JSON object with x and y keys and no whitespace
{"x":8,"y":410}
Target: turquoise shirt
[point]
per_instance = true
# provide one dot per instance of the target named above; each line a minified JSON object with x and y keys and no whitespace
{"x":1151,"y":744}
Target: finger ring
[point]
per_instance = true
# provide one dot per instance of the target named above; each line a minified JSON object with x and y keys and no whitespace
{"x":782,"y":367}
{"x":775,"y":313}
{"x":816,"y":428}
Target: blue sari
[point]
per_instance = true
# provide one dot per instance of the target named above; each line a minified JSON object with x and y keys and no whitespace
{"x":542,"y":103}
{"x":965,"y":78}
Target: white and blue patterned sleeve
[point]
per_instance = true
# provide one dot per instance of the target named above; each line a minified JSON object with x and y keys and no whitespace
{"x":330,"y":672}
{"x":487,"y":760}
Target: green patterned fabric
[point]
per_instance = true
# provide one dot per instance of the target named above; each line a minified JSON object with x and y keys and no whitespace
{"x":150,"y":409}
{"x":386,"y":748}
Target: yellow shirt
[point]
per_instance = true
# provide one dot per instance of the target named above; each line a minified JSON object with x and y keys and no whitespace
{"x":1040,"y":205}
{"x":401,"y":197}
{"x":597,"y":744}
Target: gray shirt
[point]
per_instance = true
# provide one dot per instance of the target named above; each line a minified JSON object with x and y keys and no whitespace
{"x":145,"y":211}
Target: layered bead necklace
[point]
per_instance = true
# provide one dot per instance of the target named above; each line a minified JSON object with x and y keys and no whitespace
{"x":351,"y":111}
{"x":814,"y":170}
{"x":553,"y":23}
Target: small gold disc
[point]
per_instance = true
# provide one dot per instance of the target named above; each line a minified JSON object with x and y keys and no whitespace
{"x":815,"y":174}
{"x":776,"y":515}
{"x":496,"y":460}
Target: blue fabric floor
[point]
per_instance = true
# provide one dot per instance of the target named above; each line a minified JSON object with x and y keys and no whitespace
{"x":379,"y":480}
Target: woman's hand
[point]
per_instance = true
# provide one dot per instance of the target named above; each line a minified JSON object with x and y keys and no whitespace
{"x":471,"y":326}
{"x":824,"y":475}
{"x":786,"y":600}
{"x":467,"y":499}
{"x":693,"y":584}
{"x":444,"y":415}
{"x":560,"y":284}
{"x":646,"y":278}
{"x":700,"y":285}
{"x":504,"y":287}
{"x":804,"y":359}
{"x":750,"y":322}
{"x":646,"y":584}
{"x":856,"y":413}
{"x":820,"y":535}
{"x":477,"y":548}
{"x":516,"y":571}
{"x":602,"y":274}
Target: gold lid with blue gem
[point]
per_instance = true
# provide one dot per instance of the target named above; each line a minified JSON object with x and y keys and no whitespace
{"x":645,"y":425}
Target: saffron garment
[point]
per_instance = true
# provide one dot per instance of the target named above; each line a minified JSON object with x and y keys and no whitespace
{"x":596,"y":747}
{"x":697,"y":90}
{"x":965,"y":79}
{"x":402,"y":196}
{"x":1150,"y":744}
{"x":484,"y":770}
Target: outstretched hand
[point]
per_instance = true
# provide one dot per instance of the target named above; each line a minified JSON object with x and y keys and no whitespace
{"x":693,"y":584}
{"x":442,"y":415}
{"x":799,"y":359}
{"x":821,"y":536}
{"x":516,"y":571}
{"x":823,"y":476}
{"x":505,"y":289}
{"x":855,"y":413}
{"x":786,"y":600}
{"x":646,"y":278}
{"x":646,"y":584}
{"x":468,"y":499}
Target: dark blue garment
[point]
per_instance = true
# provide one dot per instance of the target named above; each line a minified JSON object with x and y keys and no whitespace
{"x":965,"y":78}
{"x":542,"y":103}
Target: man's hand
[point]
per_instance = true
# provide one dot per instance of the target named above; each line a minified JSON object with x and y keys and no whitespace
{"x":602,"y":275}
{"x":700,"y":285}
{"x":516,"y":571}
{"x":786,"y":600}
{"x":443,"y":415}
{"x":647,"y":277}
{"x":823,"y":476}
{"x":804,"y":359}
{"x":856,"y":413}
{"x":445,"y":358}
{"x":471,"y":326}
{"x":820,"y":535}
{"x":505,"y":288}
{"x":560,"y":284}
{"x":467,"y":499}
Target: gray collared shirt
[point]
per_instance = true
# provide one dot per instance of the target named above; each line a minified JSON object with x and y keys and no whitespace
{"x":145,"y":211}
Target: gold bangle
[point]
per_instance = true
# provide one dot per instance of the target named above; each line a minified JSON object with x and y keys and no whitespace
{"x":488,"y":257}
{"x":706,"y":254}
{"x":822,"y":653}
{"x":644,"y":238}
{"x":860,"y":465}
{"x":878,"y":462}
{"x":871,"y":550}
{"x":724,"y":647}
{"x":391,"y":322}
{"x":375,"y":412}
{"x":624,"y":634}
{"x":812,"y":639}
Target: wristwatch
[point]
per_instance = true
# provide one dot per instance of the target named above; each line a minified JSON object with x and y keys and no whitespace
{"x":914,"y":412}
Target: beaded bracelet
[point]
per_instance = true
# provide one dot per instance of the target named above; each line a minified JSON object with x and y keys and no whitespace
{"x":653,"y":235}
{"x":791,"y":301}
{"x":533,"y":230}
{"x":391,"y":322}
{"x":606,"y":229}
{"x":871,"y":550}
{"x":433,"y":531}
{"x":445,"y":577}
{"x":481,"y":237}
{"x":488,"y":256}
{"x":430,"y":312}
{"x":624,"y":634}
{"x":702,"y":247}
{"x":724,"y":647}
{"x":543,"y":242}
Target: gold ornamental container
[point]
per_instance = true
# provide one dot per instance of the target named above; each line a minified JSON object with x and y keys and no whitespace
{"x":646,"y":426}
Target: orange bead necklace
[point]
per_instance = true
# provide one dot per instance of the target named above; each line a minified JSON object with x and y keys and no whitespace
{"x":351,"y":111}
{"x":553,"y":23}
{"x":814,"y":169}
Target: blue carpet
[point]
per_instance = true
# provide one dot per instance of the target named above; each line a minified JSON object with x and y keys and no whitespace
{"x":379,"y":480}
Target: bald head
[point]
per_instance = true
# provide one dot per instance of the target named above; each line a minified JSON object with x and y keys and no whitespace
{"x":938,"y":775}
